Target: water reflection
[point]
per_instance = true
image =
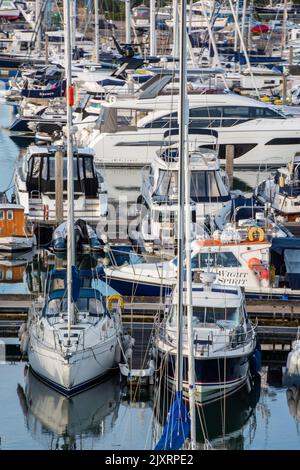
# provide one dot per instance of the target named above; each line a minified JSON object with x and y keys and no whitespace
{"x":61,"y":423}
{"x":221,"y":423}
{"x":293,"y":401}
{"x":12,"y":273}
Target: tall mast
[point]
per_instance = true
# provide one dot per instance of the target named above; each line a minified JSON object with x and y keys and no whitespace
{"x":185,"y":215}
{"x":284,"y":23}
{"x":235,"y":29}
{"x":128,"y":21}
{"x":243,"y":23}
{"x":38,"y":25}
{"x":70,"y":179}
{"x":73,"y":23}
{"x":97,"y":42}
{"x":180,"y":234}
{"x":152,"y":28}
{"x":175,"y":28}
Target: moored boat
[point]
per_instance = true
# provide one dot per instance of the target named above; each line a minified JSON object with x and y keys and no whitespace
{"x":16,"y":235}
{"x":224,"y":338}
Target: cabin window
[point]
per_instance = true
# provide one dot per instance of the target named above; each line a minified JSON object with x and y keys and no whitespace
{"x":1,"y":276}
{"x":65,"y":170}
{"x":88,"y":168}
{"x":10,"y":215}
{"x":220,"y":259}
{"x":9,"y":275}
{"x":168,"y":217}
{"x":1,"y":215}
{"x":36,"y":167}
{"x":215,"y":314}
{"x":216,"y":116}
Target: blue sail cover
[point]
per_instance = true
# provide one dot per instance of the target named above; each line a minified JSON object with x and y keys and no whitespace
{"x":177,"y":426}
{"x":76,"y":283}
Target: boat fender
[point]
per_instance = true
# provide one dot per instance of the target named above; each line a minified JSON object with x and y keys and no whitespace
{"x":256,"y":233}
{"x":22,"y":330}
{"x":118,"y":353}
{"x":128,"y":354}
{"x":128,"y":341}
{"x":298,"y":363}
{"x":281,"y":181}
{"x":46,"y":212}
{"x":288,"y":362}
{"x":24,"y":342}
{"x":293,"y":362}
{"x":296,"y":344}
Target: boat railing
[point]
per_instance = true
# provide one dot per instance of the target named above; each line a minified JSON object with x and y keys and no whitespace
{"x":35,"y":194}
{"x":213,"y":343}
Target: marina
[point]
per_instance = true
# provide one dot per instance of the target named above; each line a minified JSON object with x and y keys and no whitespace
{"x":149,"y":225}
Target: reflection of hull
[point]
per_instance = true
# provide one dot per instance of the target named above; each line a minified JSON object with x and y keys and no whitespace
{"x":238,"y":408}
{"x":10,"y":245}
{"x":47,"y":411}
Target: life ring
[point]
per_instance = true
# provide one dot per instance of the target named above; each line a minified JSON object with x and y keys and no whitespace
{"x":114,"y":297}
{"x":256,"y":233}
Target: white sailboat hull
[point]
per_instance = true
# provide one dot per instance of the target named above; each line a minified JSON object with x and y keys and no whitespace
{"x":71,"y":375}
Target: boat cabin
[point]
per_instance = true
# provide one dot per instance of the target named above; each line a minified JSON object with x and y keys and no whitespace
{"x":40,"y":172}
{"x":89,"y":306}
{"x":207,"y":185}
{"x":12,"y":221}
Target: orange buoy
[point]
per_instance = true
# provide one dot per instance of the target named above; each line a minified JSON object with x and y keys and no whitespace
{"x":259,"y":269}
{"x":253,"y":263}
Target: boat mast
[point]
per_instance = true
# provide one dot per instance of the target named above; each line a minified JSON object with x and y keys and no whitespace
{"x":284,"y":24}
{"x":243,"y":25}
{"x":128,"y":22}
{"x":175,"y":28}
{"x":152,"y":28}
{"x":70,"y":179}
{"x":96,"y":6}
{"x":185,"y":209}
{"x":38,"y":25}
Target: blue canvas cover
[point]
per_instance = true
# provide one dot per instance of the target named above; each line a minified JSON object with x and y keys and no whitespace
{"x":177,"y":426}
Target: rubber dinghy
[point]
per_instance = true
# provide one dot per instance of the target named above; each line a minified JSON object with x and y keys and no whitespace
{"x":84,"y":235}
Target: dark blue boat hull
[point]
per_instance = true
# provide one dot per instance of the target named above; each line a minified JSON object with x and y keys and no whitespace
{"x":213,"y":374}
{"x":151,"y":289}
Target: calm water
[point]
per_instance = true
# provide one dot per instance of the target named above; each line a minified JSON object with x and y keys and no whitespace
{"x":33,"y":416}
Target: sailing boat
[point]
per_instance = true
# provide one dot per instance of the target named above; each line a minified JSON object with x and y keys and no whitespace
{"x":179,"y":424}
{"x":72,"y":335}
{"x":205,"y":336}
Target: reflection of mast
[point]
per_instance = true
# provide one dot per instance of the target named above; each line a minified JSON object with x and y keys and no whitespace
{"x":262,"y":405}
